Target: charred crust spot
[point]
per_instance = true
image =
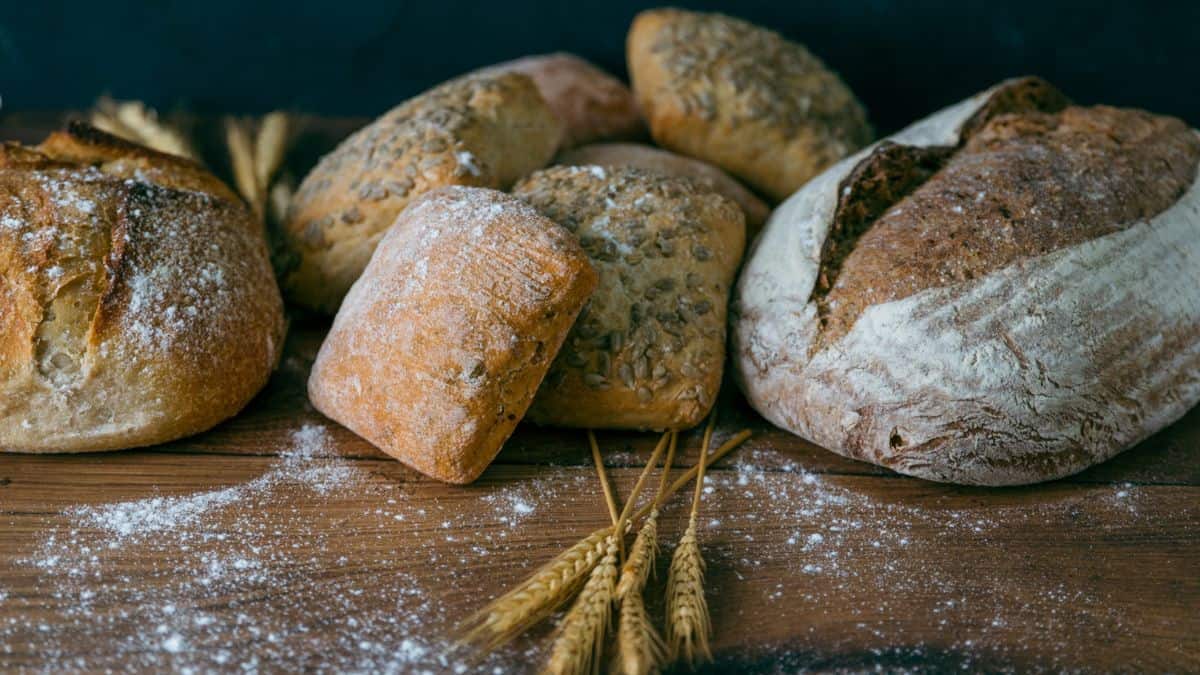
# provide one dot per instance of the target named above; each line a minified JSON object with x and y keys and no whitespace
{"x":895,"y":440}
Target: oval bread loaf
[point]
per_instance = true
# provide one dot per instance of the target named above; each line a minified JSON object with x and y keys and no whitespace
{"x":741,"y":97}
{"x":440,"y":345}
{"x":648,"y":350}
{"x":137,"y":303}
{"x":1006,"y":292}
{"x":483,"y":130}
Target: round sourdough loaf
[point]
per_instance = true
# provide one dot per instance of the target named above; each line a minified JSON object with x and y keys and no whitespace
{"x":741,"y":97}
{"x":484,"y":130}
{"x":654,"y":159}
{"x":440,"y":345}
{"x":137,"y":304}
{"x":1003,"y":293}
{"x":648,"y":350}
{"x":593,"y":105}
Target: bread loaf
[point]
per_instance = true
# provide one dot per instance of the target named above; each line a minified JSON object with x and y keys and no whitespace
{"x":593,"y":105}
{"x":1005,"y":292}
{"x":741,"y":97}
{"x":654,"y":159}
{"x":649,"y":348}
{"x":440,"y":345}
{"x":480,"y":130}
{"x":137,"y":304}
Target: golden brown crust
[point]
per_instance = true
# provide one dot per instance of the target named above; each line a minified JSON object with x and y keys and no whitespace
{"x":440,"y":345}
{"x":649,"y":348}
{"x":741,"y":97}
{"x":593,"y":105}
{"x":136,"y":302}
{"x":479,"y":130}
{"x":655,"y":159}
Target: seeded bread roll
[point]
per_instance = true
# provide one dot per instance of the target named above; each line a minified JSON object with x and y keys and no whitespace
{"x":649,"y":348}
{"x":1004,"y":293}
{"x":137,"y":304}
{"x":593,"y":105}
{"x":480,"y":130}
{"x":741,"y":97}
{"x":440,"y":345}
{"x":654,"y":159}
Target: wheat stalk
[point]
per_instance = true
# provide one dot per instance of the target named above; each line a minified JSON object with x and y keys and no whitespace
{"x":640,"y":649}
{"x":579,"y":646}
{"x":688,"y":623}
{"x":133,"y":121}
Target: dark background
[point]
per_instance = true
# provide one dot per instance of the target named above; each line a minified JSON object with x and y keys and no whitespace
{"x":359,"y":58}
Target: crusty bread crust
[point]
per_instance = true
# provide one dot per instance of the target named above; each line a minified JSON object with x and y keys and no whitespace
{"x":655,"y":159}
{"x":741,"y":97}
{"x":440,"y":345}
{"x":137,"y":304}
{"x":481,"y":130}
{"x":649,"y":348}
{"x":1031,"y":371}
{"x":593,"y":105}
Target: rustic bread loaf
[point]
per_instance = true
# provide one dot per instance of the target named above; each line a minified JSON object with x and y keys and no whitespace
{"x":1003,"y":293}
{"x":440,"y":345}
{"x":741,"y":97}
{"x":480,"y":130}
{"x":649,"y":347}
{"x":593,"y":105}
{"x":137,"y":304}
{"x":654,"y":159}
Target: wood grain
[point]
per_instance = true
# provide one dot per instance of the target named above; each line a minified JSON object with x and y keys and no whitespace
{"x":816,"y":562}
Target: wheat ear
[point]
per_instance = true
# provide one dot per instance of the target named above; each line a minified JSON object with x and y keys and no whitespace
{"x":688,"y":624}
{"x":640,"y":649}
{"x":133,"y":121}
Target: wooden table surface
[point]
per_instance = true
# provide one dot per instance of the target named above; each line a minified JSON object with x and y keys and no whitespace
{"x":281,"y":540}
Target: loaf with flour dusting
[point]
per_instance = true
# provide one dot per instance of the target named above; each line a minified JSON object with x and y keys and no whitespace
{"x":483,"y":130}
{"x":648,"y":351}
{"x":1006,"y":292}
{"x":137,"y":303}
{"x":440,"y":345}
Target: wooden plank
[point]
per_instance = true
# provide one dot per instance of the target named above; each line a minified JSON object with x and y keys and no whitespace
{"x":829,"y":571}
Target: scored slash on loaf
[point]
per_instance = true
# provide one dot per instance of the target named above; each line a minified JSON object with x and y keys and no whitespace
{"x":438,"y":348}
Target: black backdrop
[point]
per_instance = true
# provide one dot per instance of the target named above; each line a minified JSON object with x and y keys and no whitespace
{"x":358,"y":57}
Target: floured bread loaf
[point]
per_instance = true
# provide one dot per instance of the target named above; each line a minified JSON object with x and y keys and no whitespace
{"x":440,"y":345}
{"x":593,"y":105}
{"x":481,"y":130}
{"x":137,"y":304}
{"x":741,"y":97}
{"x":654,"y":159}
{"x":649,"y":348}
{"x":1005,"y":292}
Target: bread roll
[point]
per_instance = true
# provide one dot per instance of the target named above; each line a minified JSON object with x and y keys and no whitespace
{"x":480,"y":130}
{"x":649,"y":348}
{"x":654,"y":159}
{"x":593,"y":105}
{"x":1006,"y":292}
{"x":741,"y":97}
{"x":440,"y":345}
{"x":137,"y":304}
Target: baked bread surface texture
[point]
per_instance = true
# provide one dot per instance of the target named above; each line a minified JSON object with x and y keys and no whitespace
{"x":440,"y":345}
{"x":593,"y":105}
{"x":483,"y":130}
{"x":137,"y":303}
{"x":648,"y":349}
{"x":663,"y":161}
{"x":741,"y":97}
{"x":1006,"y":292}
